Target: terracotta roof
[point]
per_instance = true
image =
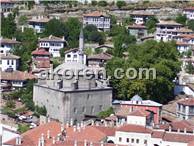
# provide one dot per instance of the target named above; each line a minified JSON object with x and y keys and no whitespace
{"x":189,"y":9}
{"x":40,"y":51}
{"x":169,"y":23}
{"x":8,"y":56}
{"x":71,"y":50}
{"x":94,"y":14}
{"x":134,"y":128}
{"x":183,"y":43}
{"x":16,"y":76}
{"x":52,"y":38}
{"x":181,"y":125}
{"x":191,"y":143}
{"x":9,"y":41}
{"x":101,"y":56}
{"x":188,"y":36}
{"x":158,"y":134}
{"x":141,"y":113}
{"x":41,"y":20}
{"x":187,"y":101}
{"x":178,"y":137}
{"x":6,"y":1}
{"x":137,"y":26}
{"x":183,"y":29}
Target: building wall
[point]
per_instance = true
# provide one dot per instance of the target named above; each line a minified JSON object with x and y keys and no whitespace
{"x":180,"y":88}
{"x":189,"y":14}
{"x":9,"y":63}
{"x":65,"y":106}
{"x":74,"y":57}
{"x":136,"y":120}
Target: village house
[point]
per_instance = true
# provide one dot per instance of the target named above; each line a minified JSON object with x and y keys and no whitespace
{"x":38,"y":23}
{"x":124,"y":108}
{"x":138,"y":31}
{"x":98,"y":60}
{"x":185,"y":108}
{"x":7,"y":45}
{"x":9,"y":62}
{"x":100,"y":20}
{"x":140,"y":18}
{"x":73,"y":55}
{"x":52,"y":44}
{"x":166,"y":30}
{"x":40,"y":61}
{"x":74,"y":97}
{"x":16,"y":78}
{"x":185,"y":42}
{"x":7,"y":6}
{"x":189,"y":12}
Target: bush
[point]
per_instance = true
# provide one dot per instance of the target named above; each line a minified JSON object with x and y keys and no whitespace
{"x":23,"y":128}
{"x":120,"y":4}
{"x":10,"y":104}
{"x":102,"y":3}
{"x":106,"y":113}
{"x":40,"y":110}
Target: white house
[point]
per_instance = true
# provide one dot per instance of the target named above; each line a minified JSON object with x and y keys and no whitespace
{"x":189,"y":12}
{"x":166,"y":30}
{"x":140,"y":18}
{"x":100,"y":20}
{"x":7,"y":45}
{"x":52,"y":44}
{"x":38,"y":23}
{"x":7,"y":6}
{"x":9,"y":62}
{"x":72,"y":55}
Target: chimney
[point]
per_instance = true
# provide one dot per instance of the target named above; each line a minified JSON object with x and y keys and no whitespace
{"x":67,"y":124}
{"x":75,"y":143}
{"x":170,"y":129}
{"x":185,"y":130}
{"x":85,"y":142}
{"x":71,"y":122}
{"x":82,"y":124}
{"x":42,"y":139}
{"x":58,"y":137}
{"x":48,"y":134}
{"x":62,"y":127}
{"x":91,"y":144}
{"x":178,"y":130}
{"x":18,"y":140}
{"x":101,"y":143}
{"x":53,"y":140}
{"x":74,"y":128}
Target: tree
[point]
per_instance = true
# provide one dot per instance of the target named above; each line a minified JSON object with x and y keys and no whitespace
{"x":106,"y":113}
{"x":23,"y":128}
{"x":128,"y":21}
{"x":10,"y":104}
{"x":190,"y":68}
{"x":190,"y":24}
{"x":151,"y":24}
{"x":23,"y":20}
{"x":40,"y":110}
{"x":94,"y":2}
{"x":151,"y":54}
{"x":181,"y":19}
{"x":8,"y":26}
{"x":120,"y":4}
{"x":116,"y":29}
{"x":55,"y":27}
{"x":102,"y":3}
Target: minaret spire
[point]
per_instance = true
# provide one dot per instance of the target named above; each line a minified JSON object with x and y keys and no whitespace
{"x":81,"y":46}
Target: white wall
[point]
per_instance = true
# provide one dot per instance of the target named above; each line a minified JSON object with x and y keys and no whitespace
{"x":9,"y":63}
{"x":136,"y":120}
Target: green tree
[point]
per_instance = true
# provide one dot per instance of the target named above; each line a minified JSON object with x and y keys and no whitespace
{"x":181,"y":19}
{"x":116,"y":29}
{"x":40,"y":110}
{"x":151,"y":24}
{"x":190,"y":24}
{"x":102,"y":3}
{"x":151,"y":54}
{"x":120,"y":4}
{"x":8,"y":26}
{"x":10,"y":104}
{"x":106,"y":113}
{"x":55,"y":27}
{"x":190,"y":68}
{"x":128,"y":21}
{"x":23,"y":20}
{"x":23,"y":128}
{"x":94,"y":2}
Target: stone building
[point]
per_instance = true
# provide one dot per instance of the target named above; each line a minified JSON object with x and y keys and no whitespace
{"x":69,"y":95}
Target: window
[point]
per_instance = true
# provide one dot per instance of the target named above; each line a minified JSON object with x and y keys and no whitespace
{"x":83,"y":109}
{"x":75,"y":110}
{"x":92,"y":109}
{"x":12,"y":62}
{"x":68,"y":55}
{"x":145,"y":141}
{"x":120,"y":139}
{"x":137,"y":140}
{"x":127,"y":140}
{"x":132,"y":140}
{"x":0,"y":61}
{"x":74,"y":56}
{"x":100,"y":107}
{"x":7,"y":62}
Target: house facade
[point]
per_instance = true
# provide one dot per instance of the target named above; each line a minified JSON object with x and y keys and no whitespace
{"x":189,"y":12}
{"x":38,"y":23}
{"x":52,"y":44}
{"x":7,"y":45}
{"x":140,"y":18}
{"x":101,"y":21}
{"x":7,"y":6}
{"x":138,"y":31}
{"x":9,"y":62}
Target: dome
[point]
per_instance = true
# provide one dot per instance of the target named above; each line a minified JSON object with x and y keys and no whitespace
{"x":73,"y":66}
{"x":136,"y":98}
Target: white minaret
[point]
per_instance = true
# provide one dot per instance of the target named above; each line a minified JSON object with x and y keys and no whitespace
{"x":81,"y":47}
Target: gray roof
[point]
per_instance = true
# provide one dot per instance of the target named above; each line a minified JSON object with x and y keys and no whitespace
{"x":136,"y":98}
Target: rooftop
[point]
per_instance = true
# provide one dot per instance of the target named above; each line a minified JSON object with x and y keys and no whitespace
{"x":94,"y":14}
{"x":52,"y":38}
{"x":101,"y":56}
{"x":168,"y":23}
{"x":40,"y":51}
{"x":39,"y":20}
{"x":8,"y":56}
{"x":9,"y":41}
{"x":186,"y":101}
{"x":16,"y":76}
{"x":189,"y":9}
{"x":136,"y":26}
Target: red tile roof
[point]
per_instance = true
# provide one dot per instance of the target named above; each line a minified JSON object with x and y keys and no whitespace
{"x":178,"y":137}
{"x":40,"y":51}
{"x":158,"y":134}
{"x":16,"y":76}
{"x":52,"y":38}
{"x":9,"y":41}
{"x":94,"y":14}
{"x":188,"y":36}
{"x":189,"y":9}
{"x":187,"y":101}
{"x":101,"y":56}
{"x":134,"y":128}
{"x":42,"y":63}
{"x":141,"y":113}
{"x":137,"y":26}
